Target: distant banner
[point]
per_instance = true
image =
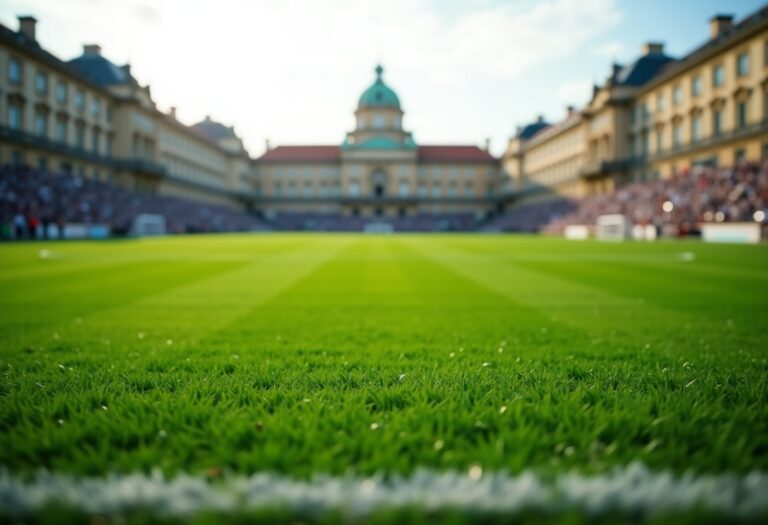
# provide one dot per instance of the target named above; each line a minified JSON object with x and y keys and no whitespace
{"x":86,"y":231}
{"x":733,"y":232}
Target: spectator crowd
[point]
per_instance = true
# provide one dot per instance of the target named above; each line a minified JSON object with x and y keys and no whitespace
{"x":678,"y":205}
{"x":675,"y":206}
{"x":31,"y":202}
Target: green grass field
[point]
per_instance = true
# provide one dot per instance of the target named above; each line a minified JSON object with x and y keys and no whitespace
{"x":375,"y":355}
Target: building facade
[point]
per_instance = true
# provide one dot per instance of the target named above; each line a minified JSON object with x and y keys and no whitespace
{"x":91,"y":118}
{"x":654,"y":117}
{"x":710,"y":107}
{"x":378,"y":171}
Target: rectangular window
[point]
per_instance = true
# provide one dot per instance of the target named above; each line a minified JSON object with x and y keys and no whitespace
{"x":61,"y":131}
{"x":742,"y":64}
{"x":96,"y":108}
{"x":41,"y":124}
{"x":717,"y":122}
{"x":110,"y":140}
{"x":765,"y":105}
{"x":659,"y":140}
{"x":696,"y":86}
{"x":718,"y":76}
{"x":14,"y":116}
{"x":79,"y":100}
{"x":41,"y":83}
{"x":741,"y":114}
{"x":765,"y":53}
{"x":676,"y":135}
{"x":14,"y":70}
{"x":95,"y":141}
{"x":61,"y":92}
{"x":80,"y":136}
{"x":404,"y":188}
{"x":660,"y":103}
{"x":695,"y":129}
{"x":677,"y":95}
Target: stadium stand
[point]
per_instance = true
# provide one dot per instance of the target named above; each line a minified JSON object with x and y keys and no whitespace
{"x":702,"y":194}
{"x":31,"y":201}
{"x":335,"y":222}
{"x":529,"y":217}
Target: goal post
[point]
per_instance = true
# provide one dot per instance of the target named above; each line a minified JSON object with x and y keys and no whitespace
{"x":612,"y":228}
{"x":148,"y":224}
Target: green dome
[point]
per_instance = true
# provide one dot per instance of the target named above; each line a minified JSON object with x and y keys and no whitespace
{"x":379,"y":94}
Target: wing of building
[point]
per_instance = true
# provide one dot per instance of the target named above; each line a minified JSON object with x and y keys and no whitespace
{"x":91,"y":117}
{"x":655,"y":117}
{"x":379,"y":170}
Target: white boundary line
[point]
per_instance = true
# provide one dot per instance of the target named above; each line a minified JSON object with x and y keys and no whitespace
{"x":633,"y":490}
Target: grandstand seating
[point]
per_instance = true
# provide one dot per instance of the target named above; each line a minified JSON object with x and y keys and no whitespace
{"x":703,"y":194}
{"x":336,"y":222}
{"x":54,"y":198}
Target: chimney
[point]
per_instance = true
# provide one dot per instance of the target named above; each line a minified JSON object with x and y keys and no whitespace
{"x":615,"y":70}
{"x":487,"y":144}
{"x":127,"y":69}
{"x":720,"y":25}
{"x":540,"y":119}
{"x":653,"y":48}
{"x":92,"y":50}
{"x":267,"y":145}
{"x":172,"y":112}
{"x":570,"y":110}
{"x":27,"y":27}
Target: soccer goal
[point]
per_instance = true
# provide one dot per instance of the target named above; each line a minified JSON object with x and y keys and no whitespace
{"x":378,"y":227}
{"x":147,"y":224}
{"x":612,"y":228}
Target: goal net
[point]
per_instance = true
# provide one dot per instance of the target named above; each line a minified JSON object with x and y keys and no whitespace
{"x":147,"y":224}
{"x":612,"y":228}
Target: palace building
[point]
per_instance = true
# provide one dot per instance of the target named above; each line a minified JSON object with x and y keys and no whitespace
{"x":91,"y":118}
{"x":654,"y":117}
{"x":651,"y":118}
{"x":379,"y":170}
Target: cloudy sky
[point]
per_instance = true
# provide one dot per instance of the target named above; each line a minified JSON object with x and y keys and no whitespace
{"x":291,"y":70}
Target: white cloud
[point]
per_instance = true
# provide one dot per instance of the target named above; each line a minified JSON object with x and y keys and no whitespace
{"x":574,"y":92}
{"x":611,"y":49}
{"x":292,"y":70}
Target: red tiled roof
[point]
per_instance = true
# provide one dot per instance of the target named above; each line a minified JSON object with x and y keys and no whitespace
{"x":454,"y":154}
{"x":333,"y":154}
{"x":302,"y":154}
